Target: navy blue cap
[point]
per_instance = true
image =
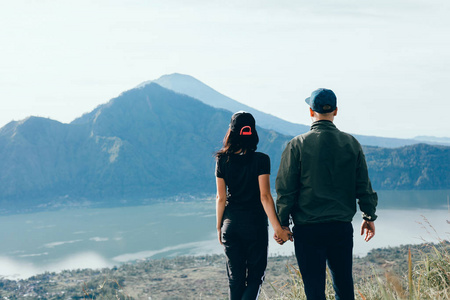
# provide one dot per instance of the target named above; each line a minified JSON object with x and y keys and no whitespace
{"x":322,"y":101}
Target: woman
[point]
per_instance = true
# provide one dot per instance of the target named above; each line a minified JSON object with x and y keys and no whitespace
{"x":243,"y":204}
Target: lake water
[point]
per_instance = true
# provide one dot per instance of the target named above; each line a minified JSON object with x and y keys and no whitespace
{"x":104,"y":237}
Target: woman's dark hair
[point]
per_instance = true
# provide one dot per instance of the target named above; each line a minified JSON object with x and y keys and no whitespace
{"x":241,"y":136}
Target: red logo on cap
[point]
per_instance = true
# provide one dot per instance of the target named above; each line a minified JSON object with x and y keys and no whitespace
{"x":249,"y":132}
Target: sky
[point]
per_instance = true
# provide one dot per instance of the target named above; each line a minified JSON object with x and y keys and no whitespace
{"x":387,"y":61}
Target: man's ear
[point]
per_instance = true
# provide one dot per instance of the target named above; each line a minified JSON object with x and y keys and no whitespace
{"x":335,"y":112}
{"x":311,"y":112}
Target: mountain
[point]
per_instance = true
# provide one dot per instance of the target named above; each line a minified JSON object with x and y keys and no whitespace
{"x":36,"y":157}
{"x":419,"y":166}
{"x":153,"y":143}
{"x":433,"y":140}
{"x":188,"y":85}
{"x":147,"y":143}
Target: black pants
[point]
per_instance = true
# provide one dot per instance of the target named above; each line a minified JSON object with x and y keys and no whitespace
{"x":245,"y":239}
{"x":318,"y":244}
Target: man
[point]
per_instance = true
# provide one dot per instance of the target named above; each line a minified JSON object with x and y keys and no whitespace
{"x":321,"y":174}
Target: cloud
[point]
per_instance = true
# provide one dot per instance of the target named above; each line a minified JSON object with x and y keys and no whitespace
{"x":55,"y":244}
{"x":86,"y":260}
{"x":14,"y":269}
{"x":197,"y":248}
{"x":99,"y":239}
{"x":34,"y":255}
{"x":45,"y":226}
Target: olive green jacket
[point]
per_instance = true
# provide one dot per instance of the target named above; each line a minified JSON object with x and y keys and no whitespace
{"x":321,"y":174}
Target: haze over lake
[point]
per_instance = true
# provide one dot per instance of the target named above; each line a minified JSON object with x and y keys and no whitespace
{"x":104,"y":237}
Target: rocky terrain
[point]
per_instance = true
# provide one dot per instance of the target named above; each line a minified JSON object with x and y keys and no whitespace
{"x":189,"y":277}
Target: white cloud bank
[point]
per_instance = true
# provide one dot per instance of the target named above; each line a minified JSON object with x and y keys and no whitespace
{"x":15,"y":269}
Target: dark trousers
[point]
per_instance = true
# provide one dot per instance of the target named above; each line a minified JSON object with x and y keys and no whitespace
{"x":245,"y":240}
{"x":319,"y":244}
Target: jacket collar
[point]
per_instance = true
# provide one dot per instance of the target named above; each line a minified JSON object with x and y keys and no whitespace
{"x":322,"y":124}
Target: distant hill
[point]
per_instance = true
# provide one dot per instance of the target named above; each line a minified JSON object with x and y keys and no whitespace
{"x":151,"y":142}
{"x":418,"y":166}
{"x":188,"y":85}
{"x":433,"y":140}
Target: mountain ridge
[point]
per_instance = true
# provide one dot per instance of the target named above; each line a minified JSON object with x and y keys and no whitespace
{"x":145,"y":143}
{"x":153,"y":143}
{"x":189,"y":85}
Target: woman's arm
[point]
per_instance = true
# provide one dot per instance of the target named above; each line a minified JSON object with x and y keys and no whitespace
{"x":221,"y":199}
{"x":269,"y":207}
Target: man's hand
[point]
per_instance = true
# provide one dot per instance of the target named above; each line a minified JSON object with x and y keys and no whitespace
{"x":283,"y":236}
{"x":368,"y":228}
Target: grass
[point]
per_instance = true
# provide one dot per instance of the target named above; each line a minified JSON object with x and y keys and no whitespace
{"x":108,"y":289}
{"x":426,"y":276}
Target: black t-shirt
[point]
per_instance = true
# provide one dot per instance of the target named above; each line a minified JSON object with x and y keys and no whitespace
{"x":240,"y":173}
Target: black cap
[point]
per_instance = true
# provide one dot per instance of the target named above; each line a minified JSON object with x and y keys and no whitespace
{"x":243,"y":123}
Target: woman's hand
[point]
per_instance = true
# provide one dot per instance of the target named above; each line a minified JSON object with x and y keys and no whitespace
{"x":283,"y":235}
{"x":219,"y":233}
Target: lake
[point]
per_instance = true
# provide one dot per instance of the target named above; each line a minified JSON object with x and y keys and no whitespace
{"x":104,"y":237}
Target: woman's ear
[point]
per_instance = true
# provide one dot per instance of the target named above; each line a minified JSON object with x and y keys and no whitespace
{"x":311,"y":112}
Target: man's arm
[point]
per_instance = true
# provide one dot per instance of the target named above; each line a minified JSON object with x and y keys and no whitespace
{"x":286,"y":183}
{"x":367,"y":198}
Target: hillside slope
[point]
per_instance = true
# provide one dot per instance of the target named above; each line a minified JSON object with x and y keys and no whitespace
{"x":147,"y":143}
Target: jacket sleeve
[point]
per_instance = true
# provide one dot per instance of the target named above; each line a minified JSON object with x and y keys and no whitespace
{"x":367,"y":198}
{"x":286,"y":183}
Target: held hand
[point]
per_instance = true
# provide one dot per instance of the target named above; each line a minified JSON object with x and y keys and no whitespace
{"x":284,"y":235}
{"x":368,"y":228}
{"x":291,"y":235}
{"x":219,"y":233}
{"x":277,"y":239}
